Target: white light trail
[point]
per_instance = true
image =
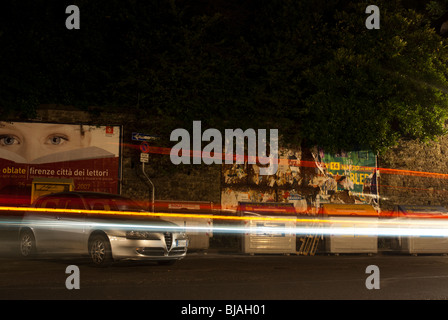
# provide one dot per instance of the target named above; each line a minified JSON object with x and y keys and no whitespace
{"x":324,"y":227}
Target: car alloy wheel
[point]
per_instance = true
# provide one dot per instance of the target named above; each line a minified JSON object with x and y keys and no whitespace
{"x":100,"y":251}
{"x":27,"y":243}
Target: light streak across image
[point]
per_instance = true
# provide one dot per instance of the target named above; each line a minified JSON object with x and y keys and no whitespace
{"x":310,"y":225}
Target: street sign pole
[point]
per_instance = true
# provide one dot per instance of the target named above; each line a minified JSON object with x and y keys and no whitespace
{"x":144,"y":158}
{"x":152,"y":186}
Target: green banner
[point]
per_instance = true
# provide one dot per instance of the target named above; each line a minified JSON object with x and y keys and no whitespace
{"x":354,"y":171}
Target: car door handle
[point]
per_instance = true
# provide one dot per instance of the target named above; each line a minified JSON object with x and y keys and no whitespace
{"x":58,"y":218}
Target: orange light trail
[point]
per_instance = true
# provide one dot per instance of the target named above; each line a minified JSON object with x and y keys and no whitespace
{"x":299,"y":218}
{"x":149,"y":214}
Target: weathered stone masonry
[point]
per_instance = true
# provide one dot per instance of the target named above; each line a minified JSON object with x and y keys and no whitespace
{"x":421,"y":177}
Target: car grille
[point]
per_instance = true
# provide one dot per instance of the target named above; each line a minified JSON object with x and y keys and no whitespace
{"x":168,"y":240}
{"x":156,"y":252}
{"x":160,"y":252}
{"x":177,"y":251}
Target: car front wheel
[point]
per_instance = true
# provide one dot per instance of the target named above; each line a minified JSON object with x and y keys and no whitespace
{"x":27,"y":244}
{"x":100,"y":251}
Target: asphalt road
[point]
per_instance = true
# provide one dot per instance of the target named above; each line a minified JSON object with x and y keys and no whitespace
{"x":216,"y":276}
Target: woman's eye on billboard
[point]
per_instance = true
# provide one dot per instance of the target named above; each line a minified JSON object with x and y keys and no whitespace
{"x":57,"y":139}
{"x":85,"y":156}
{"x":8,"y":140}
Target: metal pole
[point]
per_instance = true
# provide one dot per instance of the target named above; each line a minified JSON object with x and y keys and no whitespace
{"x":152,"y":185}
{"x":377,"y":171}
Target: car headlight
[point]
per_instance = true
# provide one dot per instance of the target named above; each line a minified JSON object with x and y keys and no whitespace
{"x":141,"y":235}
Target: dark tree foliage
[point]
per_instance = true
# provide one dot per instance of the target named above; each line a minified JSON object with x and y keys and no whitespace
{"x":309,"y":68}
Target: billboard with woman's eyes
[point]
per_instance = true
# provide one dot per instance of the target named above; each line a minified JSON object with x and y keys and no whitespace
{"x":88,"y":155}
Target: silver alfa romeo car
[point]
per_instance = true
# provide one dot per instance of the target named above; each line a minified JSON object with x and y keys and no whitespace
{"x":106,"y":227}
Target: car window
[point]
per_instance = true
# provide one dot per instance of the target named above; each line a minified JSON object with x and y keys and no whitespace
{"x":98,"y":206}
{"x":71,"y":202}
{"x":124,"y":205}
{"x":65,"y":202}
{"x":74,"y":204}
{"x":112,"y":204}
{"x":50,"y":203}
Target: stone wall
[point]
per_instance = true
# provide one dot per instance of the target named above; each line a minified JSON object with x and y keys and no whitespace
{"x":418,"y":175}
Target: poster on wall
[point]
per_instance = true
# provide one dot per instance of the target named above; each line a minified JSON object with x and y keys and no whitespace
{"x":353,"y":171}
{"x":90,"y":156}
